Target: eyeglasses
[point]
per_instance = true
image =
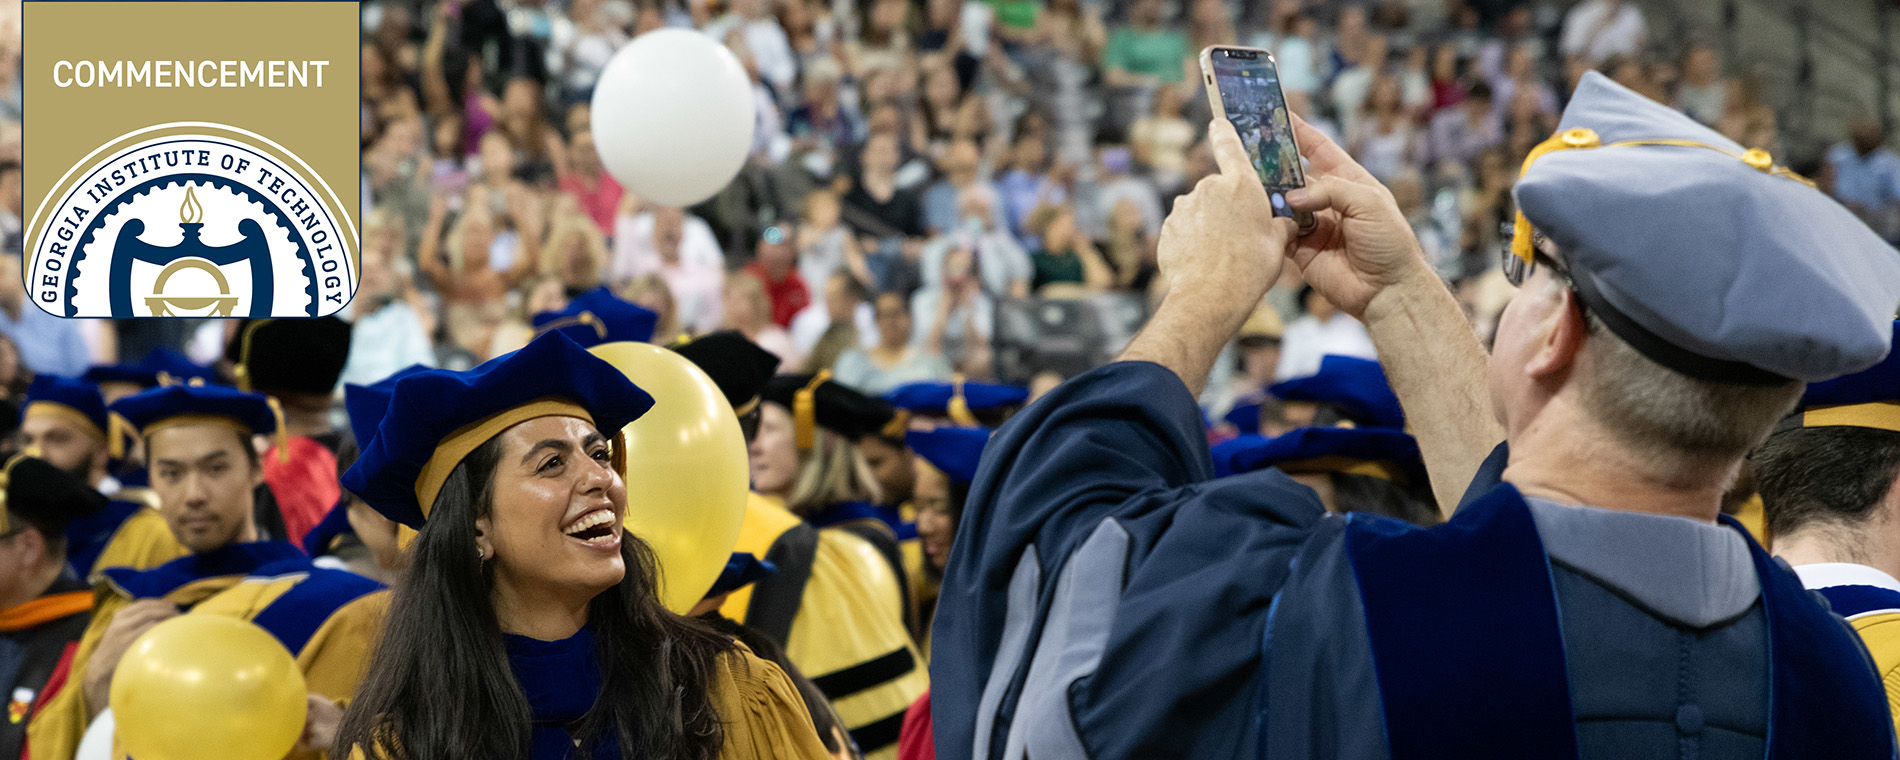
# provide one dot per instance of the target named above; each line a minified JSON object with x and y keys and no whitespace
{"x":1517,"y":270}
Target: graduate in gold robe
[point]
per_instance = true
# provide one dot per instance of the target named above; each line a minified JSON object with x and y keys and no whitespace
{"x":851,"y":627}
{"x":1829,"y":479}
{"x":204,"y":467}
{"x":66,"y":420}
{"x":527,"y":624}
{"x":836,"y":603}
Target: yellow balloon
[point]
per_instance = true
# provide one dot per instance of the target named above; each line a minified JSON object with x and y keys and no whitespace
{"x":685,"y":468}
{"x":206,"y":685}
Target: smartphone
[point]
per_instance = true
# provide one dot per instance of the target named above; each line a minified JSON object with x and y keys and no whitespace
{"x":1244,"y":84}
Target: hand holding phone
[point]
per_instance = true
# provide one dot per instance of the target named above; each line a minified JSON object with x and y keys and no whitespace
{"x":1244,"y":85}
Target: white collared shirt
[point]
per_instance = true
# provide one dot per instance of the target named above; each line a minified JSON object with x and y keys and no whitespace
{"x":1824,"y":574}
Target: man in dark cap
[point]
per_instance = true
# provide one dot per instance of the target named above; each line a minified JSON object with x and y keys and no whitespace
{"x":1109,"y":600}
{"x":43,"y":606}
{"x":296,"y":362}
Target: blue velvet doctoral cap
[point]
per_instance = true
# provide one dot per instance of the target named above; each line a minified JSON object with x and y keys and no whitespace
{"x":1388,"y":454}
{"x":1357,"y":387}
{"x":1709,"y":259}
{"x":159,"y":365}
{"x":954,"y":450}
{"x":741,"y":571}
{"x":73,"y":400}
{"x":366,"y":404}
{"x":182,"y":404}
{"x":938,"y":399}
{"x":1869,"y":398}
{"x":598,"y":316}
{"x":436,"y":417}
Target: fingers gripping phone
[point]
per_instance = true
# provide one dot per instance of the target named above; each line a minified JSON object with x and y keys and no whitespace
{"x":1244,"y":84}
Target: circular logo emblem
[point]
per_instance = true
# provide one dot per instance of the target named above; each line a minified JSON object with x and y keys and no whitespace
{"x":203,"y":221}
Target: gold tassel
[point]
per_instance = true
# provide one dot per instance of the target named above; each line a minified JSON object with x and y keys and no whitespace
{"x":805,"y":411}
{"x":583,"y":318}
{"x":899,"y":423}
{"x":242,"y":372}
{"x":118,"y":428}
{"x":6,"y":475}
{"x":959,"y":407}
{"x":282,"y":436}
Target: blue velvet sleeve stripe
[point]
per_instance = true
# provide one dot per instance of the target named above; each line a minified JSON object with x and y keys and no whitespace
{"x":235,"y":559}
{"x":296,"y":615}
{"x":1465,"y":635}
{"x":1854,"y":600}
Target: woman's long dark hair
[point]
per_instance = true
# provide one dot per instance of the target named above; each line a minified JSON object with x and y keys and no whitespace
{"x":439,"y":684}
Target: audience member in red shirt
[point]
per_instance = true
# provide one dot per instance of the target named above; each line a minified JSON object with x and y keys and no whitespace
{"x":777,"y":269}
{"x":599,"y":194}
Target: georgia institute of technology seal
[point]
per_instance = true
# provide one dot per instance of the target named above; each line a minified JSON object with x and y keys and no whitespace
{"x":187,"y":160}
{"x":192,"y":220}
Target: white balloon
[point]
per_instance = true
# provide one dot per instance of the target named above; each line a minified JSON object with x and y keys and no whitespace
{"x":97,"y":743}
{"x":673,"y":116}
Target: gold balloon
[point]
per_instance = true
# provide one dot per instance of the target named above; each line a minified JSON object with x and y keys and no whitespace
{"x":201,"y":685}
{"x":685,"y":467}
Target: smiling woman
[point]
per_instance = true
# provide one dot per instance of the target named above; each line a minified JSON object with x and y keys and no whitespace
{"x":528,"y":625}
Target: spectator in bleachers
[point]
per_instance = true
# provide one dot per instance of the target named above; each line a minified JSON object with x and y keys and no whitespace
{"x":1385,"y":139}
{"x":776,"y":267}
{"x":840,"y":320}
{"x":897,"y":359}
{"x":1595,"y":30}
{"x":1144,"y":53}
{"x":576,"y":252}
{"x":1322,"y":330}
{"x":474,"y":291}
{"x":48,"y":345}
{"x":1460,"y":133}
{"x":681,"y":249}
{"x":1703,"y":91}
{"x":1865,"y":176}
{"x":599,"y":194}
{"x":1162,"y":138}
{"x":748,"y":309}
{"x":1066,"y":261}
{"x":1001,"y":263}
{"x":387,"y":331}
{"x":1353,"y":84}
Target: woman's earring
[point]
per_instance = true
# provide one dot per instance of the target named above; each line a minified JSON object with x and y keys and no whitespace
{"x":481,"y":553}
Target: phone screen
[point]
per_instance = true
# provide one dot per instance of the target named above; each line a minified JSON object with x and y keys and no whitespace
{"x":1250,"y":94}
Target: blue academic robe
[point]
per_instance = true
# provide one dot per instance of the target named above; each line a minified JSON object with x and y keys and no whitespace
{"x":1105,"y":598}
{"x":562,"y":680}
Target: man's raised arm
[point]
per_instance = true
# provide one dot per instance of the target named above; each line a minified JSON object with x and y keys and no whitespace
{"x":1363,"y":257}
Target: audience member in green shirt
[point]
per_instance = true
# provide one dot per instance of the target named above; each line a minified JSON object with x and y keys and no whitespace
{"x":1144,"y":53}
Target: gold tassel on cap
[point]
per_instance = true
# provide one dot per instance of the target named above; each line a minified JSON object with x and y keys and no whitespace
{"x":959,"y":407}
{"x":583,"y":318}
{"x":899,"y":423}
{"x":282,"y":436}
{"x":118,"y":428}
{"x":6,"y":474}
{"x":805,"y":411}
{"x":242,"y":371}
